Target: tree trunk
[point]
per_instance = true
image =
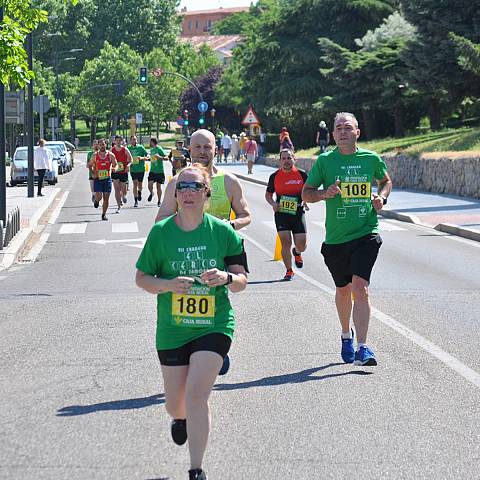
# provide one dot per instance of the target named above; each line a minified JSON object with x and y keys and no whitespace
{"x":114,"y":124}
{"x":93,"y":129}
{"x":434,"y":114}
{"x":368,"y":116}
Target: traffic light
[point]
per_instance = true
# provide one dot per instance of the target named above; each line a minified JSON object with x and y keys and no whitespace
{"x":185,"y":115}
{"x":143,"y":76}
{"x":201,"y":120}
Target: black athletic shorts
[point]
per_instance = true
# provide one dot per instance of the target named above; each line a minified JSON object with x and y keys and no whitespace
{"x":156,"y":177}
{"x":294,"y":223}
{"x":356,"y":257}
{"x":213,"y":342}
{"x":137,"y":176}
{"x":122,"y":177}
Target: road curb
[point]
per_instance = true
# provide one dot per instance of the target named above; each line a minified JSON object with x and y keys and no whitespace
{"x":402,"y":217}
{"x":459,"y":231}
{"x":9,"y":255}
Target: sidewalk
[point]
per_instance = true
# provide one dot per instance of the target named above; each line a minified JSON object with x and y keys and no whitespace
{"x":454,"y":215}
{"x":31,"y":211}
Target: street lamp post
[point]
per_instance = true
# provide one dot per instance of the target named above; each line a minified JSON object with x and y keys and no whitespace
{"x":56,"y":63}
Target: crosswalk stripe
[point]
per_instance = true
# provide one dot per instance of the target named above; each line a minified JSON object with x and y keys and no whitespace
{"x":125,"y":227}
{"x":71,"y":228}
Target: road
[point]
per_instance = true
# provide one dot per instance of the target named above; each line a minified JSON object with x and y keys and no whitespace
{"x":82,"y":395}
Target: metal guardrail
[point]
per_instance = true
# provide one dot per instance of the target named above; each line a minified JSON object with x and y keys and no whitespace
{"x":11,"y":228}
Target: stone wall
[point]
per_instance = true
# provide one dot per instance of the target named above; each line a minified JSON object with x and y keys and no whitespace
{"x":455,"y":173}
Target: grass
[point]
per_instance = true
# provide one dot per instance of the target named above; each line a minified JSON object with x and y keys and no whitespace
{"x":448,"y":140}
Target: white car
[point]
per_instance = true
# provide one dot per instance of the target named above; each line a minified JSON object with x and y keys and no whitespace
{"x":67,"y":154}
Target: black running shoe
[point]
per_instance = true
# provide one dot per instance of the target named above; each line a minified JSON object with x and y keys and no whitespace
{"x":226,"y":365}
{"x":178,"y":430}
{"x":95,"y":204}
{"x":197,"y":474}
{"x":104,"y":217}
{"x":149,"y":199}
{"x":136,"y":203}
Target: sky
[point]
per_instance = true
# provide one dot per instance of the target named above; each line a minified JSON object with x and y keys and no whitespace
{"x":209,"y":4}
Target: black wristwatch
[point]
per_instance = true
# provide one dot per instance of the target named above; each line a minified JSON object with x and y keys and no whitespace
{"x":384,"y":200}
{"x":229,"y":279}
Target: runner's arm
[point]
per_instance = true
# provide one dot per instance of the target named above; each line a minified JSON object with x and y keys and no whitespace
{"x":155,"y":285}
{"x":239,"y":204}
{"x":271,"y":201}
{"x":129,"y":160}
{"x":216,"y":278}
{"x":313,"y":195}
{"x":384,"y":187}
{"x":113,"y":160}
{"x":169,"y":202}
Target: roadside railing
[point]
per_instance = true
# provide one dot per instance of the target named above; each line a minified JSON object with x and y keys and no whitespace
{"x":11,"y":227}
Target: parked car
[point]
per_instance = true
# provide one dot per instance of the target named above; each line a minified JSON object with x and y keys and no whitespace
{"x":19,"y":169}
{"x":67,"y":154}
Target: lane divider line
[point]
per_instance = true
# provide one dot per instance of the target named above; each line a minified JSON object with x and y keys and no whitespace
{"x":447,"y":359}
{"x":58,"y":208}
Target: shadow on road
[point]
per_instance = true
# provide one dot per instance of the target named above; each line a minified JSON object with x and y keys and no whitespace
{"x":129,"y":404}
{"x":258,"y":282}
{"x":297,"y":377}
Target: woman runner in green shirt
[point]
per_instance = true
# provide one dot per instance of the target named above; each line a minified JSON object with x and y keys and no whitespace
{"x":195,"y":321}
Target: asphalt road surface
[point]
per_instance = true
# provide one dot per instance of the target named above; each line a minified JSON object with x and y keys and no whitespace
{"x":82,"y":395}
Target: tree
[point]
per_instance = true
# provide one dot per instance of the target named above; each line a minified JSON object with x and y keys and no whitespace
{"x":20,"y":18}
{"x":432,"y":57}
{"x":468,"y":53}
{"x":233,"y":24}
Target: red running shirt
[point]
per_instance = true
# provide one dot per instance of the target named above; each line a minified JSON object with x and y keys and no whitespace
{"x":122,"y":159}
{"x":103,"y":166}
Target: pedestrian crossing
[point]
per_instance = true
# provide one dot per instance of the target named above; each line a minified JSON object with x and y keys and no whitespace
{"x":81,"y":228}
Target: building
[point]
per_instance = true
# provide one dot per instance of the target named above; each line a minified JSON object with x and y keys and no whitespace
{"x":200,"y":22}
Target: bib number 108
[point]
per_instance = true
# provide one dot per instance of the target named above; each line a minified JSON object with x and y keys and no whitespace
{"x":352,"y":190}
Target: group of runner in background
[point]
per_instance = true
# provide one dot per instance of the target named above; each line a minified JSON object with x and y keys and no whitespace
{"x":111,"y":167}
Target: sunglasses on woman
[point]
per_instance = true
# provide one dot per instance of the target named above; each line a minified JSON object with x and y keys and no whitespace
{"x":192,"y":186}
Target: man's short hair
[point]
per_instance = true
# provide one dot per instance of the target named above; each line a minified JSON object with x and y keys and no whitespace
{"x":343,"y":115}
{"x":118,"y":137}
{"x":154,"y":140}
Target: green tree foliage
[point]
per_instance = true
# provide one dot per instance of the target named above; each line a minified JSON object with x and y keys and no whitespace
{"x":235,"y":24}
{"x":468,"y":53}
{"x":20,"y":18}
{"x":281,"y":59}
{"x":432,"y":57}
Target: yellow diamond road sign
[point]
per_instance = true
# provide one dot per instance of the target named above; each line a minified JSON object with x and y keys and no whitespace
{"x":250,"y":118}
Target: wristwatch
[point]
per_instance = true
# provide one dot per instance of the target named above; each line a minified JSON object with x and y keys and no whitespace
{"x":229,"y":279}
{"x":384,"y":200}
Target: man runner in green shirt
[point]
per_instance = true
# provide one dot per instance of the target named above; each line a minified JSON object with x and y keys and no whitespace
{"x":137,"y":167}
{"x":157,"y":174}
{"x":352,"y":240}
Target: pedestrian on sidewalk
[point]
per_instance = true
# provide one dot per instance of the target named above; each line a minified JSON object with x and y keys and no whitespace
{"x":226,"y":146}
{"x":42,"y":161}
{"x":251,"y":152}
{"x":323,"y":136}
{"x":352,"y":238}
{"x":195,"y":320}
{"x":235,"y":151}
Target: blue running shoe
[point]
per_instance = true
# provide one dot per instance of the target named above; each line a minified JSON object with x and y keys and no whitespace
{"x":365,"y":357}
{"x":226,"y":365}
{"x":348,"y":352}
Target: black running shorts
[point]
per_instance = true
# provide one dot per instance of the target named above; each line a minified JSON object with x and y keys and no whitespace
{"x":156,"y":177}
{"x":293,"y":223}
{"x":137,"y":176}
{"x":122,"y":177}
{"x":213,"y":342}
{"x":356,"y":257}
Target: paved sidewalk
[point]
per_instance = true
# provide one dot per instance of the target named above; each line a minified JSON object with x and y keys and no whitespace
{"x":455,"y":215}
{"x":31,"y":211}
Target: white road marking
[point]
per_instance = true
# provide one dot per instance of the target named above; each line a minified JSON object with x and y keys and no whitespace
{"x":36,"y":249}
{"x":104,"y":241}
{"x":125,"y":227}
{"x":72,"y":228}
{"x":58,"y":208}
{"x":434,"y":350}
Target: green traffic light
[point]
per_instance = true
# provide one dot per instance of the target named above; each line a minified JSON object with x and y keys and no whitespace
{"x":186,"y":122}
{"x":201,"y":121}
